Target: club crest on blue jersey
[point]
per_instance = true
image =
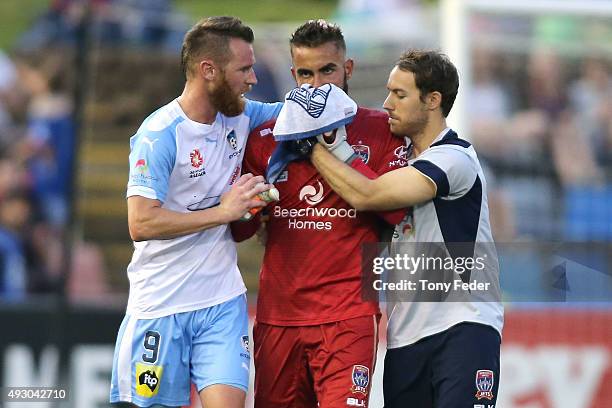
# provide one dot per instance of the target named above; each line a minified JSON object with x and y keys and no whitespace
{"x":363,"y":151}
{"x":361,"y":379}
{"x":484,"y":384}
{"x":232,"y":140}
{"x":313,"y":103}
{"x":244,"y":341}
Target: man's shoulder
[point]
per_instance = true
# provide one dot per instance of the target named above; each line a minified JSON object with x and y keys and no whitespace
{"x":369,"y":114}
{"x":370,"y":119}
{"x":371,"y":125}
{"x":265,"y":130}
{"x":162,"y":121}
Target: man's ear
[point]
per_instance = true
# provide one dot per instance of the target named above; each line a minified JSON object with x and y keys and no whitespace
{"x":348,"y":68}
{"x":433,"y":100}
{"x":207,"y":70}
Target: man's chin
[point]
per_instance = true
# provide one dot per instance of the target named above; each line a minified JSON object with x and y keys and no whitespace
{"x":233,"y":109}
{"x":396,"y":131}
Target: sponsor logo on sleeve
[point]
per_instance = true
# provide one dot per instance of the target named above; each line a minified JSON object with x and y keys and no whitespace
{"x":141,"y":172}
{"x":141,"y":166}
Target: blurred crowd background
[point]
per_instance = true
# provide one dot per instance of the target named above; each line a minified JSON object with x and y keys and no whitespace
{"x":77,"y":77}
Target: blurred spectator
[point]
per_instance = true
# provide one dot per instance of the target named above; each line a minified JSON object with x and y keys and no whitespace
{"x":15,"y":213}
{"x":591,"y":100}
{"x":267,"y":89}
{"x":490,"y":105}
{"x":8,"y":78}
{"x":114,"y":22}
{"x":88,"y":274}
{"x":48,"y":146}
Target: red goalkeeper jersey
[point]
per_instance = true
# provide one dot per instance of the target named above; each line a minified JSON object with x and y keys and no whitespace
{"x":311,"y":273}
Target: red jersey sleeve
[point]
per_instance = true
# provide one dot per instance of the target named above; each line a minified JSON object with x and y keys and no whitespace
{"x":252,"y":162}
{"x":391,"y":154}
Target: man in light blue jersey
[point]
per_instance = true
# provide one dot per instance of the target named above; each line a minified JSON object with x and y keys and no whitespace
{"x":186,"y":319}
{"x":443,"y":346}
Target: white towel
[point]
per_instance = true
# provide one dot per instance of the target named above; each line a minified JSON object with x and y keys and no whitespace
{"x":312,"y":111}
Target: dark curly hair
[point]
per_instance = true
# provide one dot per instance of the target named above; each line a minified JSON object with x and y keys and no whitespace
{"x":314,"y":33}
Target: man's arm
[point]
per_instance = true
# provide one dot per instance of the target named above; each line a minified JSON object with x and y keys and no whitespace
{"x":148,"y":220}
{"x":397,"y":189}
{"x":253,"y":162}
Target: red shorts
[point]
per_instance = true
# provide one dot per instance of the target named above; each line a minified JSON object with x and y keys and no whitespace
{"x":330,"y":364}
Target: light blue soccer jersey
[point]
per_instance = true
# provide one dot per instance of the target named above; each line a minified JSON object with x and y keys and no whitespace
{"x":187,"y":166}
{"x":458,"y":214}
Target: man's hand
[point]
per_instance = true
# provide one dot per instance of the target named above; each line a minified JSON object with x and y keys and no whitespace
{"x":303,"y":146}
{"x":335,"y":141}
{"x":241,"y":197}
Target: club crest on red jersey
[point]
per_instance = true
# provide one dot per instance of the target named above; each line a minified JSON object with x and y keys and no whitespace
{"x":363,"y":151}
{"x":361,"y":379}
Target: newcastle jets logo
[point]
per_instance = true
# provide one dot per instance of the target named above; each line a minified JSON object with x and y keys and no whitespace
{"x":484,"y":384}
{"x":361,"y":379}
{"x":312,"y":102}
{"x":363,"y":151}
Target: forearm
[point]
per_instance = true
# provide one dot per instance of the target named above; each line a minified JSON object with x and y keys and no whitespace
{"x":161,"y":223}
{"x":347,"y":182}
{"x":243,"y":230}
{"x":392,"y":217}
{"x":398,"y":188}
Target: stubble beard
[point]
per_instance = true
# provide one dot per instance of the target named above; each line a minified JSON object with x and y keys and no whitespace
{"x":413,"y":127}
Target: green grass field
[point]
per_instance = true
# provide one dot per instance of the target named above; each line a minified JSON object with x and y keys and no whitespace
{"x":18,"y":15}
{"x":252,"y":11}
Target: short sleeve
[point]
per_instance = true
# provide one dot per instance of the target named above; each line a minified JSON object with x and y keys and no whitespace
{"x":452,"y":170}
{"x":152,"y":157}
{"x":254,"y":161}
{"x":260,"y":112}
